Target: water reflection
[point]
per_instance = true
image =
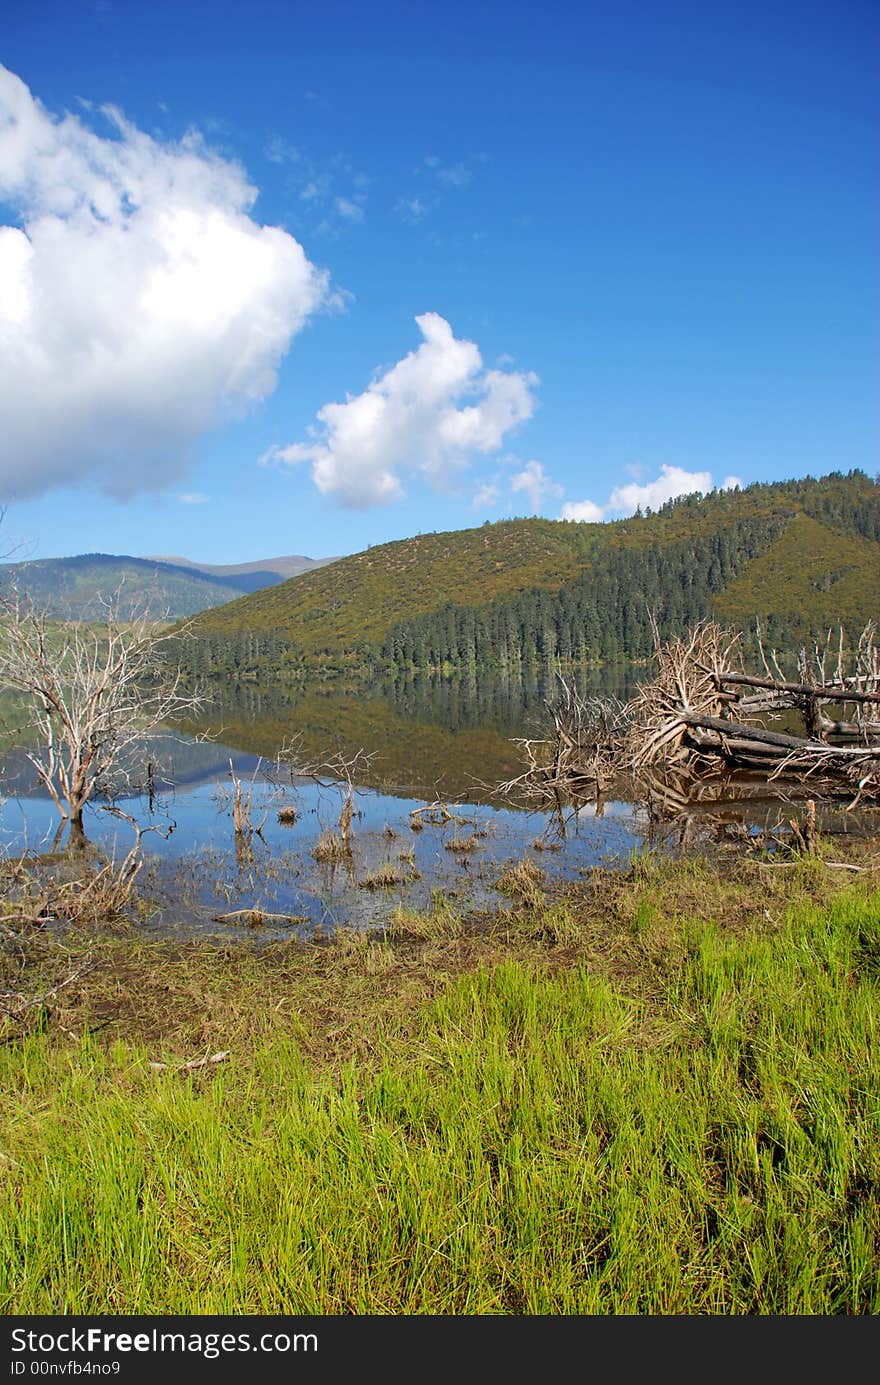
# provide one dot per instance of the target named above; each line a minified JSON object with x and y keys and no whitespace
{"x":204,"y":877}
{"x":429,"y":741}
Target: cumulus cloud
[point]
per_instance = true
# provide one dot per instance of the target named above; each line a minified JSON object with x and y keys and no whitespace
{"x":582,"y":510}
{"x":429,"y":414}
{"x":536,"y":484}
{"x":673,"y":481}
{"x":140,"y":302}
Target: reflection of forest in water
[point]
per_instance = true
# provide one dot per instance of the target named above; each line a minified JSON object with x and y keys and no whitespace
{"x":428,"y":738}
{"x":427,"y":735}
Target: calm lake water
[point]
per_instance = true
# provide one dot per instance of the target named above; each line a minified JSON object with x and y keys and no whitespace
{"x":420,"y":743}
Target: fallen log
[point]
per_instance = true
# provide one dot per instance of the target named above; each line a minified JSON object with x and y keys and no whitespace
{"x":715,"y":743}
{"x":849,"y":728}
{"x":756,"y":736}
{"x":827,"y":692}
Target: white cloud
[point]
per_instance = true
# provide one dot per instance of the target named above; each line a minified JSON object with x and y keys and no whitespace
{"x":281,"y":151}
{"x":428,"y":414}
{"x":413,"y":208}
{"x":536,"y":484}
{"x":139,"y":300}
{"x":486,"y":496}
{"x":731,"y":483}
{"x":193,"y":498}
{"x":673,"y":481}
{"x":349,"y":210}
{"x":450,"y":175}
{"x":582,"y":510}
{"x":454,"y":176}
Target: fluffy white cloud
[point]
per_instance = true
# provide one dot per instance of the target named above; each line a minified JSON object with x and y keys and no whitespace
{"x":534,"y":481}
{"x":582,"y":510}
{"x":672,"y":481}
{"x":625,"y":500}
{"x":139,"y":300}
{"x":428,"y":414}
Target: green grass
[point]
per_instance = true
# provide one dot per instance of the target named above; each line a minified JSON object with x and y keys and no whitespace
{"x":613,"y":1109}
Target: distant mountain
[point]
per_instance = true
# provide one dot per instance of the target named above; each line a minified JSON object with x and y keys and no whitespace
{"x":290,"y":566}
{"x":74,"y":588}
{"x":801,"y":556}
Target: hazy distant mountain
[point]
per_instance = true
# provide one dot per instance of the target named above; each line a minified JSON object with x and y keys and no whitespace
{"x":289,"y":566}
{"x":74,"y":588}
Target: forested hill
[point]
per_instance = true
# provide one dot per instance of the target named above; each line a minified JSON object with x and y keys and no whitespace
{"x":799,"y":555}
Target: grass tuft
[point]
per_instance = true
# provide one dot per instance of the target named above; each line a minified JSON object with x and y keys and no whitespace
{"x":331,"y":848}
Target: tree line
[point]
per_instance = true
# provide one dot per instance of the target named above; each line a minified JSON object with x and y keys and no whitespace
{"x":604,"y":615}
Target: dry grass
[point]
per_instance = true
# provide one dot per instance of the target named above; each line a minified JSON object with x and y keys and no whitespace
{"x":463,"y":845}
{"x":331,"y":848}
{"x":385,"y":877}
{"x":523,"y":881}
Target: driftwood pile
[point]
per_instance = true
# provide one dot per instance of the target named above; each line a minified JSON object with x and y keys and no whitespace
{"x":704,"y":713}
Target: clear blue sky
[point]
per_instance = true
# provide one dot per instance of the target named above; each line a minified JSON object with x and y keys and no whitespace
{"x":640,"y":241}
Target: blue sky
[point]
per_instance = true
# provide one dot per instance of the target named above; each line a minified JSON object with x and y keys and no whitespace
{"x":284,"y":278}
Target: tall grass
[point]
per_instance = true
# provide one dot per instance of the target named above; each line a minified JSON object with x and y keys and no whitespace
{"x":543,"y":1141}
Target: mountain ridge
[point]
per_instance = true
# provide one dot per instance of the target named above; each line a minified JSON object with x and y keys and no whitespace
{"x":446,"y":601}
{"x":287,"y":565}
{"x":78,"y":587}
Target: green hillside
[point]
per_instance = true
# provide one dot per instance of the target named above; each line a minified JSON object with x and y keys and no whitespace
{"x":523,"y":591}
{"x":356,"y":600}
{"x":812,"y":577}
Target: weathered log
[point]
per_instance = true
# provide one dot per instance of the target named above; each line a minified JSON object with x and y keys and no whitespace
{"x":850,"y":728}
{"x":757,"y":736}
{"x":742,"y":747}
{"x":827,"y":692}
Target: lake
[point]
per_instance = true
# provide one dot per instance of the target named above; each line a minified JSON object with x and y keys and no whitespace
{"x":411,"y":744}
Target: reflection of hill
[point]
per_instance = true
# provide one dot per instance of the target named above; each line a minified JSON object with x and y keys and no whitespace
{"x":175,"y":762}
{"x":513,"y":706}
{"x":426,"y":736}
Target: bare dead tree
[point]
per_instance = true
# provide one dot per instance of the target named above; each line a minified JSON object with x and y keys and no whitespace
{"x":337,"y":771}
{"x":577,"y":762}
{"x":92,"y":691}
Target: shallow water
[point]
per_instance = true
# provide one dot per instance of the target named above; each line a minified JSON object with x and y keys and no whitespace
{"x":419,"y":744}
{"x":198,"y":870}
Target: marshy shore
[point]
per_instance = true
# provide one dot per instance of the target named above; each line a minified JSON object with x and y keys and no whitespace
{"x":652,"y":1092}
